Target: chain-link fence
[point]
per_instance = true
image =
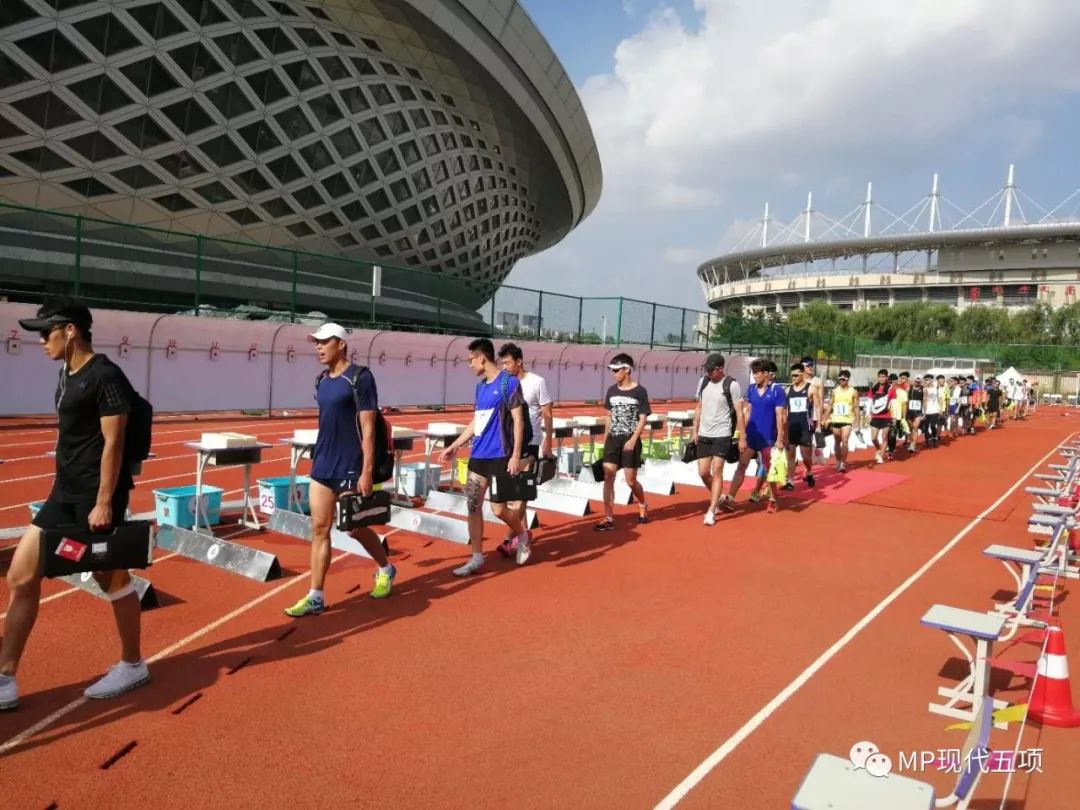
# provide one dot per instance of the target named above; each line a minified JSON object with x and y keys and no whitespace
{"x":110,"y":264}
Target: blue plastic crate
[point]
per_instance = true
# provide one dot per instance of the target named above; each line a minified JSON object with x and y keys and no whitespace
{"x":274,"y":494}
{"x":175,"y":506}
{"x":417,"y":479}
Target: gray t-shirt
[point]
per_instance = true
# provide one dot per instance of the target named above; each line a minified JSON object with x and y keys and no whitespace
{"x":716,"y":421}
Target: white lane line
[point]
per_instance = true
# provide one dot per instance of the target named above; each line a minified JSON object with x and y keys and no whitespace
{"x":751,"y":725}
{"x":158,"y":561}
{"x":62,"y":712}
{"x":73,"y":589}
{"x":274,"y":423}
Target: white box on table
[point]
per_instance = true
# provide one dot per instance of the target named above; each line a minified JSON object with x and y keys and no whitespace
{"x":221,"y":441}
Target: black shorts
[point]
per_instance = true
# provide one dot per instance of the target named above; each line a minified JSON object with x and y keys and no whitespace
{"x":913,"y":415}
{"x":614,"y":453}
{"x":488,"y":467}
{"x":800,"y":434}
{"x":57,"y":512}
{"x":881,"y":422}
{"x":713,"y":446}
{"x":338,"y":485}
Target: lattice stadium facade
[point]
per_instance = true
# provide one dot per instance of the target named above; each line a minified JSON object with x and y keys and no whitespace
{"x":433,"y":134}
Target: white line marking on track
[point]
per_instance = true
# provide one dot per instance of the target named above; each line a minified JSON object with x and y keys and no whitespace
{"x":62,"y":712}
{"x":73,"y":589}
{"x":751,"y":725}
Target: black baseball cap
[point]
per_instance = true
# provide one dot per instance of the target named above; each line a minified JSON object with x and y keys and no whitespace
{"x":60,"y":313}
{"x":714,"y":361}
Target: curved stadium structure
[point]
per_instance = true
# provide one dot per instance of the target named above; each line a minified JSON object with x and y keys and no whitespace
{"x":433,"y":134}
{"x":1012,"y":263}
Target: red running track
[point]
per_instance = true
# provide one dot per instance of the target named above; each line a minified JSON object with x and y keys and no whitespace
{"x":600,"y":674}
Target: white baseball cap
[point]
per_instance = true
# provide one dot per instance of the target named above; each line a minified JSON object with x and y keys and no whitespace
{"x":329,"y":330}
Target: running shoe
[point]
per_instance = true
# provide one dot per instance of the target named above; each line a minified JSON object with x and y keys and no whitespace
{"x":523,"y":543}
{"x":471,"y":567}
{"x":773,"y":507}
{"x":810,"y":480}
{"x":508,"y":546}
{"x":755,"y":497}
{"x":710,"y":518}
{"x":727,"y":504}
{"x":605,"y":525}
{"x":384,"y":583}
{"x":306,"y":607}
{"x":9,"y":694}
{"x":120,"y":678}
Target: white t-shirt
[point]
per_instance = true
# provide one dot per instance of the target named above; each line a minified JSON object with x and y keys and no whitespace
{"x":535,"y":392}
{"x":933,"y":399}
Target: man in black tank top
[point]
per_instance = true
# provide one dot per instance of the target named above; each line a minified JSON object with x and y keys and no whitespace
{"x":915,"y":409}
{"x":880,"y":419}
{"x":800,"y":433}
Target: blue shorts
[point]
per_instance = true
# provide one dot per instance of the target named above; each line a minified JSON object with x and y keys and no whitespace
{"x":338,"y":485}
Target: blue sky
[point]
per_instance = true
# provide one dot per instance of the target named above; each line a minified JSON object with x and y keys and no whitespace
{"x":703,"y":110}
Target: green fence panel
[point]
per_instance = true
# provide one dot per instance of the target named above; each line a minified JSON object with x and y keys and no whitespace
{"x":599,"y":320}
{"x":560,"y":317}
{"x":517,"y":313}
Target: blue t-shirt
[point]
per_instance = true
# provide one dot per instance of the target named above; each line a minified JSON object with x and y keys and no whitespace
{"x":493,"y":424}
{"x":338,"y":452}
{"x":761,"y":427}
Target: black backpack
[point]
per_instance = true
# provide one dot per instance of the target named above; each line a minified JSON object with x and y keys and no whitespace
{"x":138,"y":434}
{"x":528,"y":434}
{"x":727,"y":394}
{"x":383,"y":468}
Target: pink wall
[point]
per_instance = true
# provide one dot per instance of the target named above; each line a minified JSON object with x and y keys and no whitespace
{"x":193,"y":364}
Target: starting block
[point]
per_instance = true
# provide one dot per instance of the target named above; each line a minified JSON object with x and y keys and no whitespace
{"x":297,"y":525}
{"x":205,"y":548}
{"x":982,"y":628}
{"x":455,"y":504}
{"x":441,"y":527}
{"x":143,"y":588}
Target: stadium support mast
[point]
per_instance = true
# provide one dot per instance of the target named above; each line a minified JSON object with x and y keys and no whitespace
{"x":765,"y":227}
{"x":934,"y":216}
{"x":1010,"y":191}
{"x":866,"y":217}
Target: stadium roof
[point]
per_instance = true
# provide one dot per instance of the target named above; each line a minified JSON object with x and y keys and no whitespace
{"x":751,"y":262}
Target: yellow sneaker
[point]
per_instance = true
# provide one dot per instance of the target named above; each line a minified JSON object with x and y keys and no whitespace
{"x":384,"y":583}
{"x":305,"y":607}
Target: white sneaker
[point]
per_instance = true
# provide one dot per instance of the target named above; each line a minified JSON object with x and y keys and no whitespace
{"x":710,"y":518}
{"x":469,"y":568}
{"x":9,"y":695}
{"x":524,"y":548}
{"x":120,"y":678}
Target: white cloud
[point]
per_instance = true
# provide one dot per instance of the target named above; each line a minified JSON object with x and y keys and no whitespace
{"x":772,"y":91}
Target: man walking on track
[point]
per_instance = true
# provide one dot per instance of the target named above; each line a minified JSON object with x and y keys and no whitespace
{"x":766,"y":428}
{"x":538,"y":404}
{"x":718,"y":421}
{"x":627,"y":404}
{"x":91,"y":490}
{"x":498,"y":429}
{"x":343,"y":461}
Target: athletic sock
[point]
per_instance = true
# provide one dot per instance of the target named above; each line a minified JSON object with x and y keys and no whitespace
{"x":478,"y":556}
{"x":386,"y":569}
{"x":315,"y":595}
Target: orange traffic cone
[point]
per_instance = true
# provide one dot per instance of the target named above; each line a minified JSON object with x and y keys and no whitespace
{"x":1051,"y":701}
